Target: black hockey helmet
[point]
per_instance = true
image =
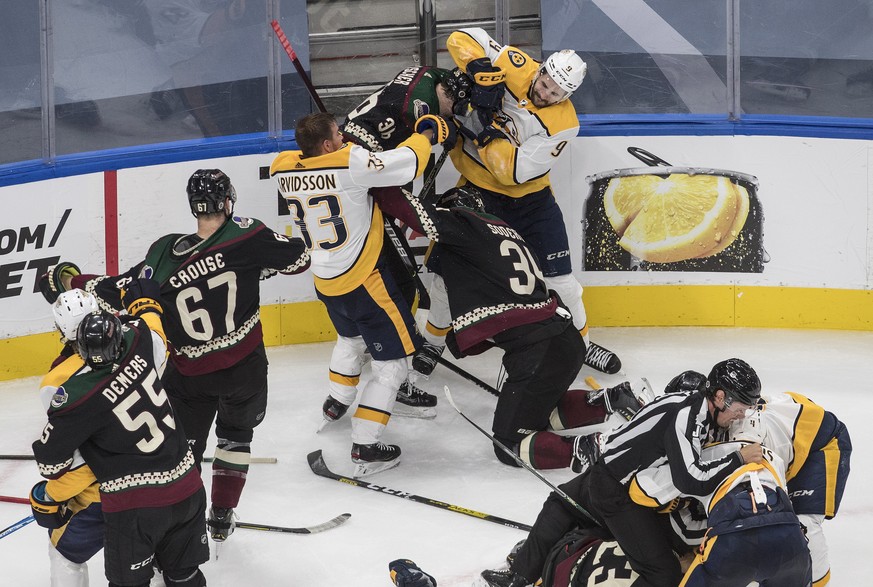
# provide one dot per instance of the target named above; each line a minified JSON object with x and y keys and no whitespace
{"x":686,"y":381}
{"x":99,"y":339}
{"x":207,"y":191}
{"x":459,"y":87}
{"x":738,"y":381}
{"x":465,"y":196}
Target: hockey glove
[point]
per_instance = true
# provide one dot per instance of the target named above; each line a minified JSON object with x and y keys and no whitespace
{"x":142,"y":295}
{"x":488,"y":134}
{"x":445,"y":132}
{"x":405,"y":573}
{"x":488,"y":85}
{"x":48,"y":513}
{"x":51,"y":282}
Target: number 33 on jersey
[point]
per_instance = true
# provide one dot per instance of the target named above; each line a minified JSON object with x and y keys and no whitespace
{"x":328,"y":197}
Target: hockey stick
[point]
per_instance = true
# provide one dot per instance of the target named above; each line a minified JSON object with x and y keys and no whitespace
{"x":280,"y":34}
{"x":468,"y":376}
{"x":16,"y":526}
{"x":517,"y":459}
{"x":254,"y":460}
{"x":9,"y":499}
{"x":389,"y":228}
{"x":431,"y":177}
{"x":319,"y":467}
{"x":333,"y":523}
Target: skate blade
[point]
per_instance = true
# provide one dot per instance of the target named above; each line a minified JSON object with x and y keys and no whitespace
{"x":646,"y":394}
{"x":322,"y":425}
{"x":404,"y":411}
{"x":367,"y":469}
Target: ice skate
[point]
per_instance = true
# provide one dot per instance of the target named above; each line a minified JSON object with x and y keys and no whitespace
{"x":504,"y":578}
{"x":221,"y":523}
{"x":602,"y":359}
{"x":332,"y":410}
{"x":374,"y":458}
{"x":425,"y":360}
{"x":414,"y":402}
{"x":586,"y":451}
{"x":627,"y":397}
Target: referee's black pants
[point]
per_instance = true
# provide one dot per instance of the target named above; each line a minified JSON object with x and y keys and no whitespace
{"x":644,"y":535}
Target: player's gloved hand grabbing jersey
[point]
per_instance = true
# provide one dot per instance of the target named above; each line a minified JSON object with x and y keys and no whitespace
{"x":51,"y":283}
{"x":142,"y":295}
{"x":445,"y":132}
{"x":489,"y":86}
{"x":489,"y":133}
{"x":47,"y":512}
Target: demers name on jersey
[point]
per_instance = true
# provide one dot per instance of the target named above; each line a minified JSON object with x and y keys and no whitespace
{"x":307,"y":182}
{"x":198,"y":268}
{"x":406,"y":76}
{"x":125,"y":378}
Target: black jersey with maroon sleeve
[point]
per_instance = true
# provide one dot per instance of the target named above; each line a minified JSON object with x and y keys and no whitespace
{"x":493,"y":280}
{"x":210,"y":289}
{"x":387,"y":118}
{"x":120,"y":419}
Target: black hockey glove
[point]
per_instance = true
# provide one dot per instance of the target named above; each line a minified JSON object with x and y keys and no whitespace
{"x":445,"y":132}
{"x":48,"y":513}
{"x":488,"y":134}
{"x":142,"y":295}
{"x":51,"y":284}
{"x":489,"y":86}
{"x":405,"y":573}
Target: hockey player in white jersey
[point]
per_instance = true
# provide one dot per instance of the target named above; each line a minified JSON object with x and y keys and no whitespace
{"x":752,"y":531}
{"x":326,"y":185}
{"x":817,"y":448}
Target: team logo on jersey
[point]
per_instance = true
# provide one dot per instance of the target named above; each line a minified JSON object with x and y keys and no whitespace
{"x":147,"y":272}
{"x":516,"y":58}
{"x":420,"y":108}
{"x":242,"y":221}
{"x":60,"y":397}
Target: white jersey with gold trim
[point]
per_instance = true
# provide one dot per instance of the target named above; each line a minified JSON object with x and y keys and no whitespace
{"x":329,"y":200}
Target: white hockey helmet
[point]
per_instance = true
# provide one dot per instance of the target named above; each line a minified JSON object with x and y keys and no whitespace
{"x":566,"y":69}
{"x":69,"y":309}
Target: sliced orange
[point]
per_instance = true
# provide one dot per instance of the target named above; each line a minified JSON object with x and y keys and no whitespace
{"x":625,"y":196}
{"x":681,"y":217}
{"x":725,"y":240}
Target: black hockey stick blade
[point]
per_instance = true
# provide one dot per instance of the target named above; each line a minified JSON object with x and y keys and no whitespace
{"x":431,"y":178}
{"x":517,"y":459}
{"x":468,"y":376}
{"x":319,"y":467}
{"x":333,"y":523}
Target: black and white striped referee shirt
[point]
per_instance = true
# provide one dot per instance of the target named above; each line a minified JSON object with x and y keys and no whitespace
{"x":669,"y":432}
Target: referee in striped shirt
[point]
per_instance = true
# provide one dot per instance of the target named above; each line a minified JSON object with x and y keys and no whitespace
{"x":670,"y":431}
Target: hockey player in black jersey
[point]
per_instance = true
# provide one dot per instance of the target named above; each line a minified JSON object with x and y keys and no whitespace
{"x":497,"y":296}
{"x":108,"y":403}
{"x":210,"y":289}
{"x":381,"y":122}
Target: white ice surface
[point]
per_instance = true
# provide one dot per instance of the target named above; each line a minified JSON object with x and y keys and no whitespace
{"x":448,"y":460}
